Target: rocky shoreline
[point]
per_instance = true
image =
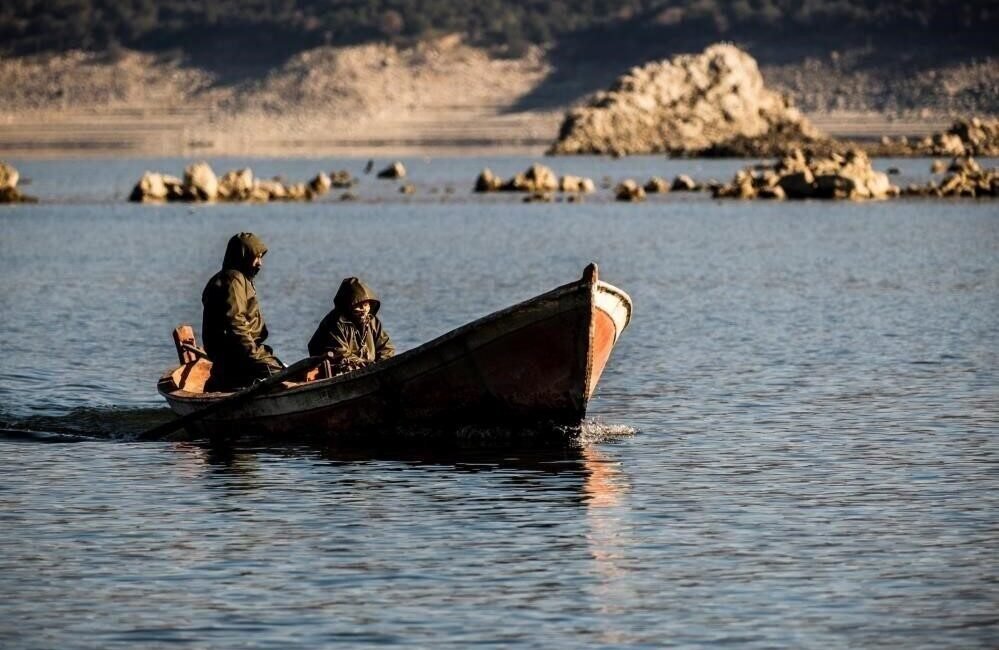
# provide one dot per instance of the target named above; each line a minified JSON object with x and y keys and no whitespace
{"x":444,"y":97}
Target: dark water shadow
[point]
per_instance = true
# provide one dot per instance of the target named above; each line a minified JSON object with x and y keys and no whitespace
{"x":125,"y":424}
{"x":235,"y":457}
{"x":583,"y":475}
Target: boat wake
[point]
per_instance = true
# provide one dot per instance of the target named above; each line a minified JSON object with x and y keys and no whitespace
{"x":594,"y":431}
{"x":85,"y":424}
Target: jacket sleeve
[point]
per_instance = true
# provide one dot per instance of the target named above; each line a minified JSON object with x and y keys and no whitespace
{"x":240,"y":329}
{"x":383,"y":344}
{"x":332,"y":339}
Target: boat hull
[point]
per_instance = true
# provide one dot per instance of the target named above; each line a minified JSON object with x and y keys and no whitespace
{"x":536,"y":362}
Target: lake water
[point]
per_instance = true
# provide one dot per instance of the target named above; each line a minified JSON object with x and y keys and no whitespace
{"x":794,"y":443}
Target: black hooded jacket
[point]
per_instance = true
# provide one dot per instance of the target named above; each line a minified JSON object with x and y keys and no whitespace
{"x":348,"y":344}
{"x":233,"y":328}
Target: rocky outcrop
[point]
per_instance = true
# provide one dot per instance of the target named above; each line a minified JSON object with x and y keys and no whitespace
{"x":688,"y":105}
{"x":342,"y":179}
{"x":576,"y":184}
{"x":806,"y":176}
{"x":657,"y":185}
{"x":629,"y":190}
{"x":966,"y":178}
{"x":536,"y":179}
{"x":684,"y":183}
{"x":966,"y":137}
{"x":201,"y":181}
{"x":488,"y":181}
{"x":395,"y":170}
{"x":236,"y":185}
{"x":9,"y":177}
{"x":200,"y":184}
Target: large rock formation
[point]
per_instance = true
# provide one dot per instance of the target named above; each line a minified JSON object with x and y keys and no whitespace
{"x":805,"y":176}
{"x":688,"y":105}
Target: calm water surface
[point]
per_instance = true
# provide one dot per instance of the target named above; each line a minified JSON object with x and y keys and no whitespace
{"x":794,"y":444}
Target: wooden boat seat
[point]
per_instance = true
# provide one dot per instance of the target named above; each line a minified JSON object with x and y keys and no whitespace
{"x":195,"y":367}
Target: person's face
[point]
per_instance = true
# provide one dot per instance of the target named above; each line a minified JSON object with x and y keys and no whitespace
{"x":256,"y":265}
{"x":361,"y":312}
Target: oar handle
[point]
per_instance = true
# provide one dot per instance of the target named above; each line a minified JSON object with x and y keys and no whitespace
{"x":232,"y":400}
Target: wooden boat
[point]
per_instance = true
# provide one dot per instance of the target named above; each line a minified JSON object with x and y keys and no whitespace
{"x":535,"y":362}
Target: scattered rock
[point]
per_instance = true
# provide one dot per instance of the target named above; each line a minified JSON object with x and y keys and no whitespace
{"x":805,"y":176}
{"x":964,"y":165}
{"x":297,"y":192}
{"x":657,"y":185}
{"x":343,"y":179}
{"x":576,"y":184}
{"x":938,"y":167}
{"x":395,"y":170}
{"x":9,"y":176}
{"x":488,"y":181}
{"x":689,"y":105}
{"x":967,"y":179}
{"x":966,"y":137}
{"x":537,"y":178}
{"x":539,"y":197}
{"x":200,"y":181}
{"x":150,"y":189}
{"x":273,"y":190}
{"x":200,"y":185}
{"x":629,"y":190}
{"x":348,"y":196}
{"x":978,"y":137}
{"x":407,"y":188}
{"x":236,"y":185}
{"x":321,"y":184}
{"x":893,"y":171}
{"x":684,"y":183}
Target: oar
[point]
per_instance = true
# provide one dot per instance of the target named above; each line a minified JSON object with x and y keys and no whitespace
{"x":232,"y":400}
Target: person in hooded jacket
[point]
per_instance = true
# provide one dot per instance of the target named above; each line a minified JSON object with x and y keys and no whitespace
{"x":233,"y":328}
{"x":351,"y":335}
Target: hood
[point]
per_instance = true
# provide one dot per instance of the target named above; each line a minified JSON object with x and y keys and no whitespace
{"x":353,"y":291}
{"x":241,"y":250}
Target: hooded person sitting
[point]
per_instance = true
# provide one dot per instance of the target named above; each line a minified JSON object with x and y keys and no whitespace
{"x":233,"y":328}
{"x":351,"y":335}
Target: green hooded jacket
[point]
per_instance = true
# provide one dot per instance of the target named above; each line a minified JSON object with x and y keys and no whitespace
{"x":233,"y":328}
{"x":348,"y":344}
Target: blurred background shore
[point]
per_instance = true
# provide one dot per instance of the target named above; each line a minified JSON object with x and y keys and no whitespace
{"x":306,"y":78}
